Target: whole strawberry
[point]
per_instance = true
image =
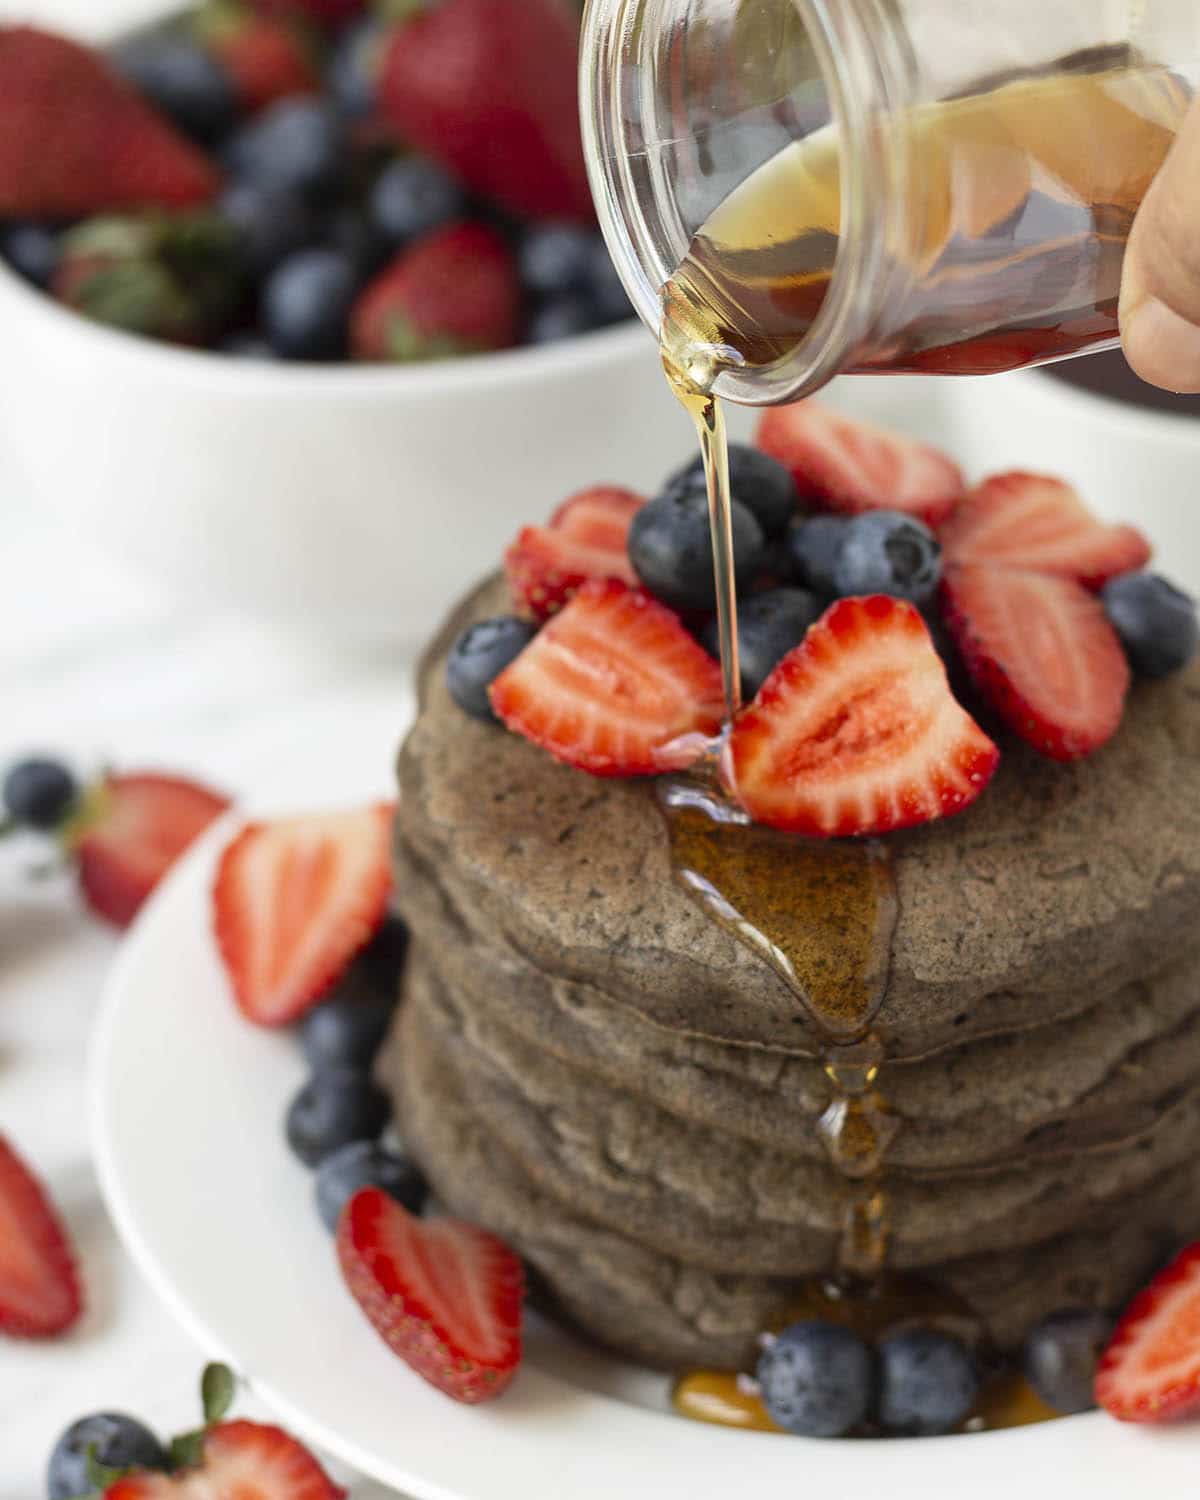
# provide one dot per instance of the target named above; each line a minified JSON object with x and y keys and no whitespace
{"x":454,"y":292}
{"x":78,"y":140}
{"x":176,"y":278}
{"x":267,"y":57}
{"x":488,"y":88}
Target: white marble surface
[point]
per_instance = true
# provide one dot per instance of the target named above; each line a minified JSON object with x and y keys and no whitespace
{"x":95,"y":665}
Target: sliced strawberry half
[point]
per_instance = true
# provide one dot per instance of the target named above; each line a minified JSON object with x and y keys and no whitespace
{"x":850,"y":467}
{"x":1042,"y":652}
{"x":856,"y":731}
{"x":1032,"y":521}
{"x":444,"y":1295}
{"x":40,"y":1295}
{"x":614,"y":685}
{"x":293,"y":902}
{"x":1151,"y":1370}
{"x":133,"y":829}
{"x":586,"y":538}
{"x":240,"y":1461}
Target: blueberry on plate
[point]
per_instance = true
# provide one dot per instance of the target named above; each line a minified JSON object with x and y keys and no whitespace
{"x":349,"y":1029}
{"x":885,"y":552}
{"x":272,"y":224}
{"x":184,"y":81}
{"x":670,"y":547}
{"x":366,"y":1164}
{"x":335,"y":1107}
{"x":381,"y":962}
{"x":817,"y":1379}
{"x":1155,"y":621}
{"x":761,"y":483}
{"x":556,"y":258}
{"x":306,"y":305}
{"x":351,"y":232}
{"x":39,"y":793}
{"x":118,"y":1441}
{"x":478,"y":657}
{"x":351,"y":78}
{"x":561,"y":317}
{"x":928,"y":1382}
{"x":31,"y":250}
{"x":814,"y":545}
{"x":414,"y":196}
{"x":1061,"y":1355}
{"x":293,"y":147}
{"x":770,"y":625}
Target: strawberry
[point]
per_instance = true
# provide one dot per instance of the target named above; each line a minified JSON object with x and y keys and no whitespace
{"x":613,"y":684}
{"x":444,"y":1295}
{"x":237,"y":1461}
{"x":1042,"y":652}
{"x":454,"y":291}
{"x":856,"y":731}
{"x":488,"y":88}
{"x":78,"y":140}
{"x":585,"y":538}
{"x":1031,"y":521}
{"x":324,"y":12}
{"x":850,"y":467}
{"x":131,"y":831}
{"x":1151,"y":1369}
{"x":265,"y":56}
{"x":293,"y":902}
{"x":40,"y":1294}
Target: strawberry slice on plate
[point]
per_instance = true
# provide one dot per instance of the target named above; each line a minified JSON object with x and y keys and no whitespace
{"x":239,"y":1461}
{"x":850,"y":467}
{"x":1040,"y":649}
{"x":856,"y":731}
{"x":613,"y":684}
{"x":586,"y":538}
{"x":1032,"y":521}
{"x":132,"y":830}
{"x":40,"y":1295}
{"x":294,"y":900}
{"x":444,"y":1295}
{"x":1150,"y":1371}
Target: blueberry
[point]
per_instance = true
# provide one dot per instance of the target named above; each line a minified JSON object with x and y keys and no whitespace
{"x":337,"y":1106}
{"x":478,"y":657}
{"x":1061,"y":1355}
{"x":670,"y":547}
{"x":559,"y":318}
{"x":184,"y":81}
{"x":39,"y":793}
{"x":763,"y":486}
{"x":928,"y":1382}
{"x":555,"y":258}
{"x":348,"y":1030}
{"x":1155,"y":621}
{"x":885,"y":552}
{"x":817,"y":1379}
{"x":31,"y":250}
{"x":381,"y":962}
{"x":363,"y":1164}
{"x":119,"y":1443}
{"x":351,"y":77}
{"x":293,"y":147}
{"x":814,"y":546}
{"x":271,"y":224}
{"x":414,"y":196}
{"x":769,"y":626}
{"x":306,"y":305}
{"x":610,"y":300}
{"x":354,"y":235}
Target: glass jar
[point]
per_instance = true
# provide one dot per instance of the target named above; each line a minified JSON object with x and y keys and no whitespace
{"x":812,"y":187}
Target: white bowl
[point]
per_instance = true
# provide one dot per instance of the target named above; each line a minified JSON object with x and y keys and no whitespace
{"x":349,"y":501}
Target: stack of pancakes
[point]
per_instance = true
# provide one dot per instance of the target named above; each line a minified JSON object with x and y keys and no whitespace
{"x":589,"y":1066}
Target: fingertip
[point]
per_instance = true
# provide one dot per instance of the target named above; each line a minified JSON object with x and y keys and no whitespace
{"x":1162,"y":347}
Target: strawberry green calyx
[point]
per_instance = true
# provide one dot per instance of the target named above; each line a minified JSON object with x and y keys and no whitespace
{"x":404,"y":343}
{"x":399,"y":11}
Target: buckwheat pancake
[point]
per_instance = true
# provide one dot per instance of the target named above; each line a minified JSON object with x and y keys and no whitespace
{"x":590,"y":1066}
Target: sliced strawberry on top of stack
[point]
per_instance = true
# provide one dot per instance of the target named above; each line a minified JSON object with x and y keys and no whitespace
{"x":294,"y":900}
{"x":849,"y":467}
{"x":586,"y":537}
{"x":236,"y":1461}
{"x":40,"y":1294}
{"x":613,"y":684}
{"x":856,"y":731}
{"x":1150,"y":1371}
{"x":444,"y":1295}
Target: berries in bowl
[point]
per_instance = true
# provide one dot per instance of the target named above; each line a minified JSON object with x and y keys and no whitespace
{"x":274,"y":259}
